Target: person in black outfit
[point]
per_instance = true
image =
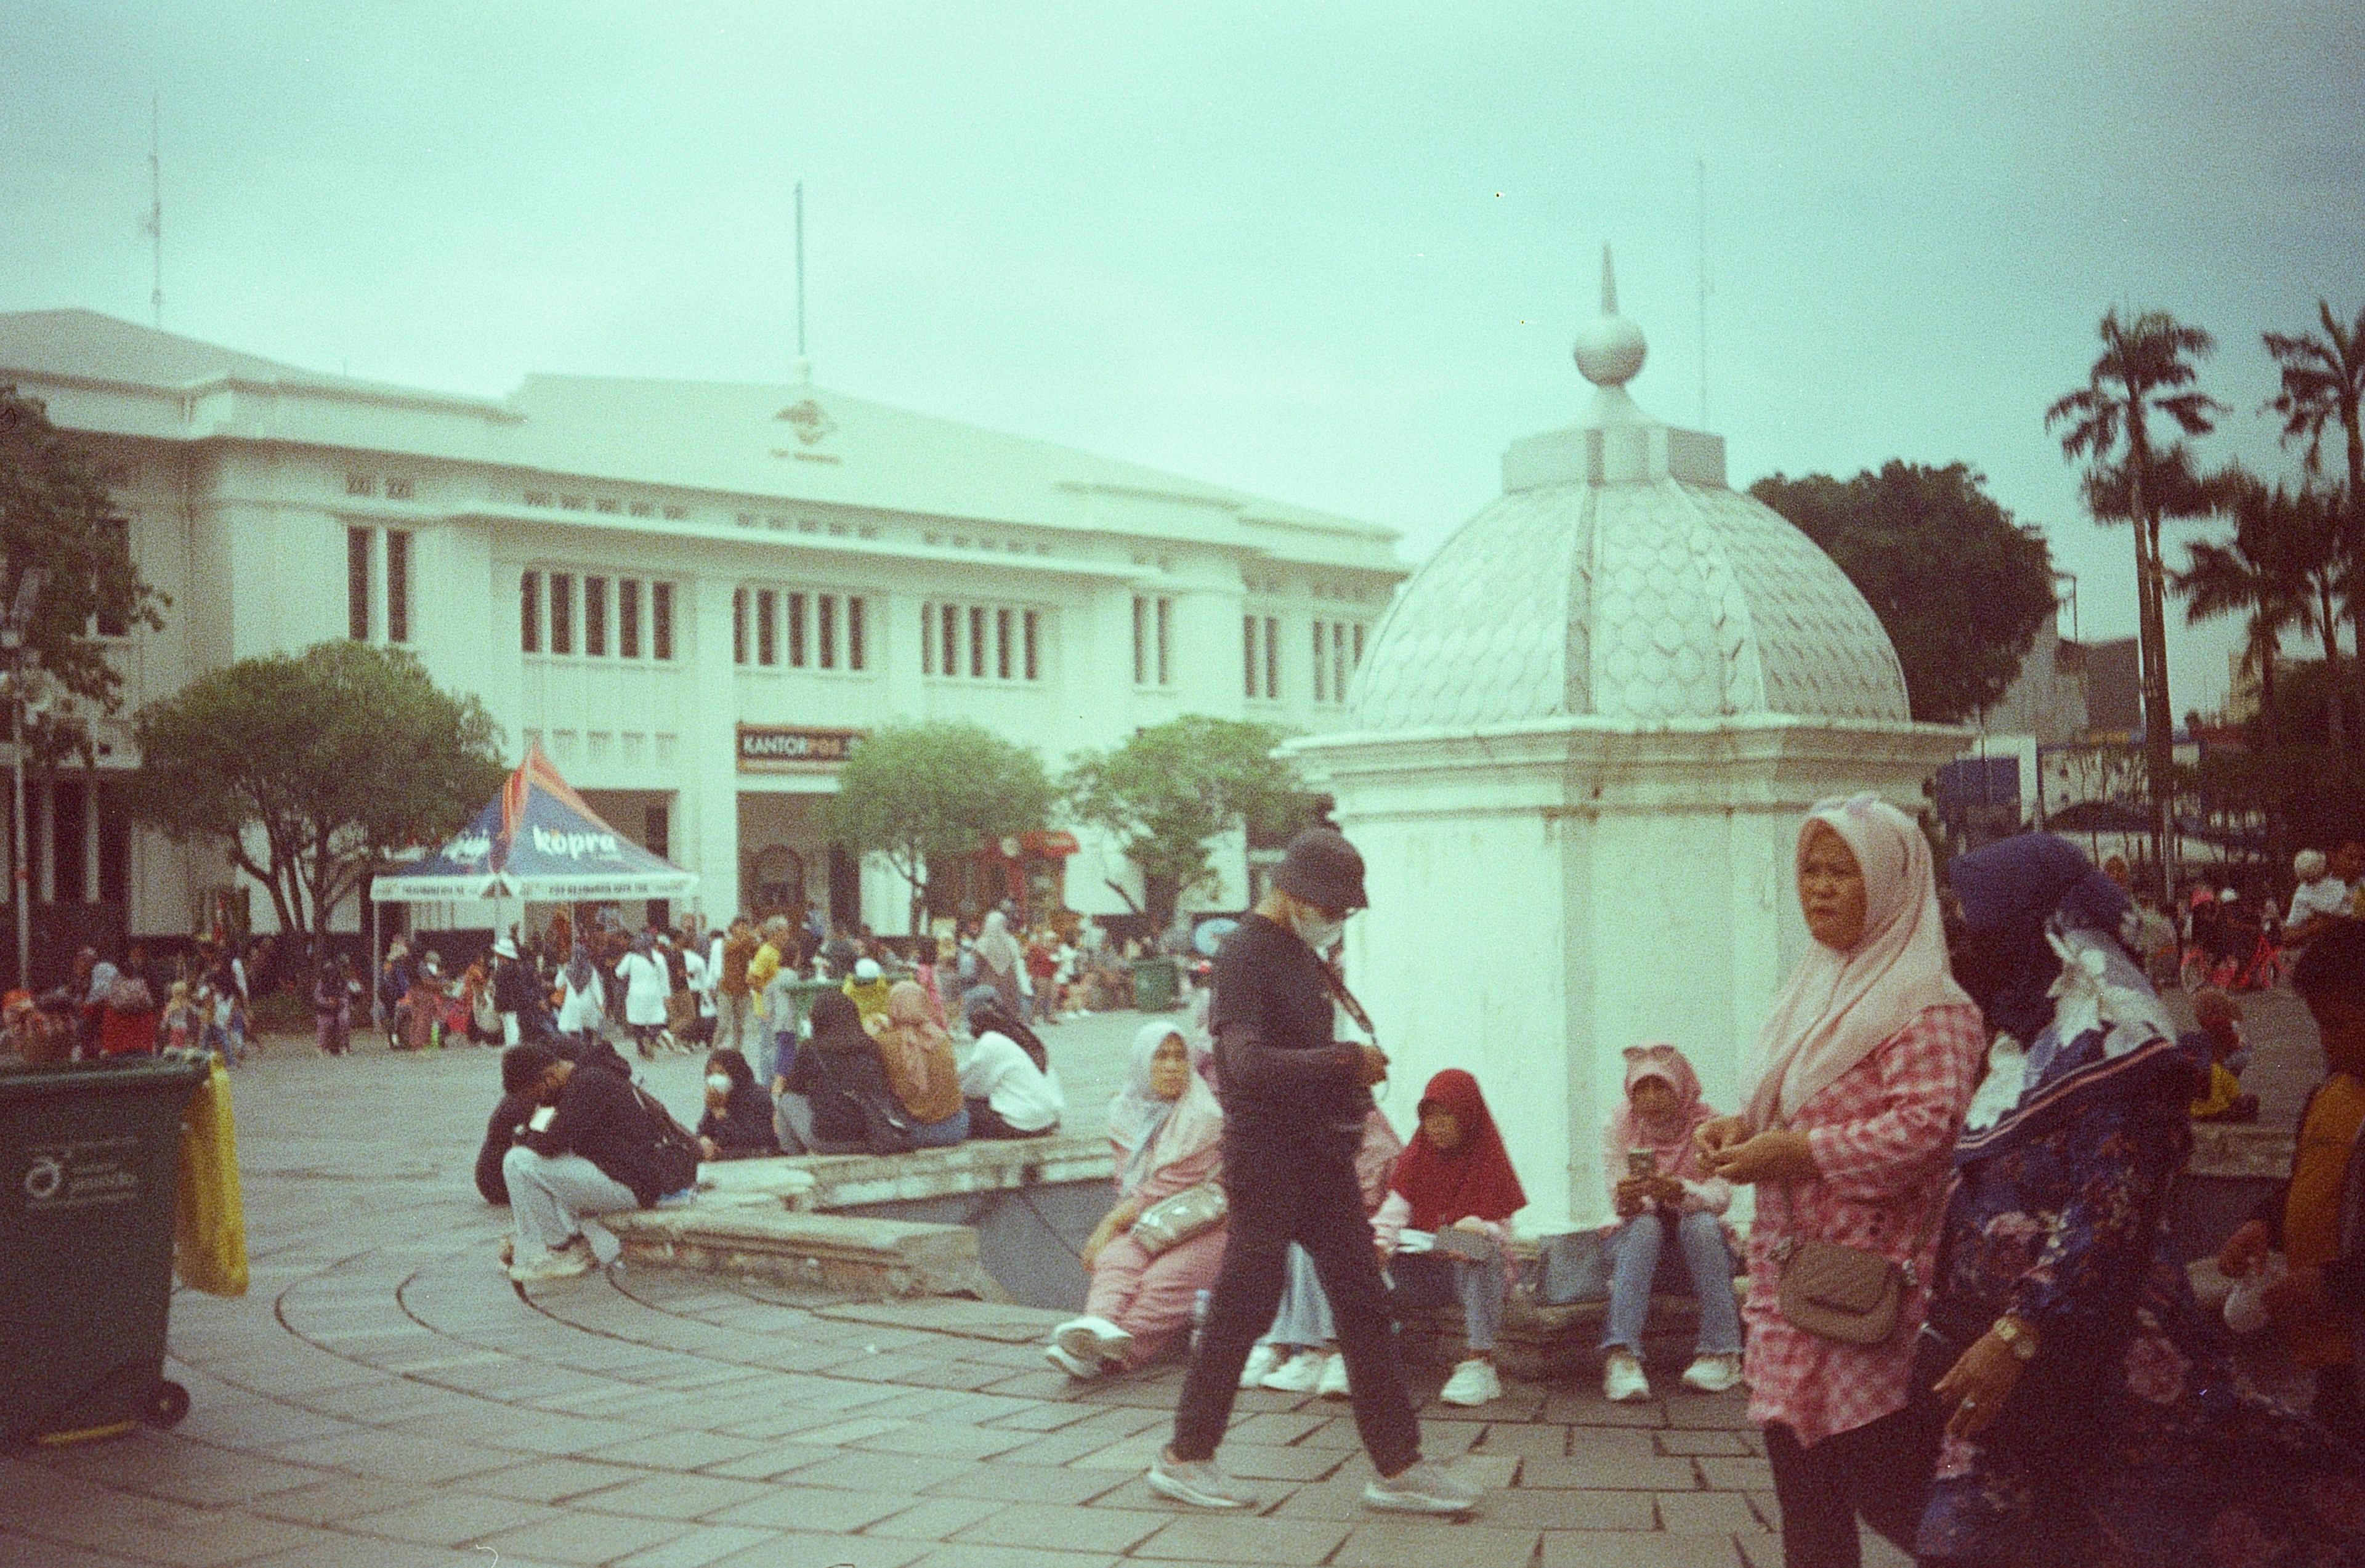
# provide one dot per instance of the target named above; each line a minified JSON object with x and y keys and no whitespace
{"x":1294,"y":1103}
{"x":509,"y":1117}
{"x":738,"y":1120}
{"x":518,"y":996}
{"x":835,"y":1098}
{"x":604,"y":1150}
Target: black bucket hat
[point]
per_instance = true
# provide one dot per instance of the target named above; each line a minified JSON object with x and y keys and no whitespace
{"x":1324,"y":869}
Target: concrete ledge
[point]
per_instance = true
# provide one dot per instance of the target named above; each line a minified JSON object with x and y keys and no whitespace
{"x":834,"y":1255}
{"x":823,"y":1181}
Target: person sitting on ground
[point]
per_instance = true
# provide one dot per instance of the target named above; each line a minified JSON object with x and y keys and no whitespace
{"x":834,"y":1099}
{"x":982,"y":1006}
{"x":1442,"y":1230}
{"x":918,"y":1058}
{"x":868,"y":989}
{"x":2220,"y":1017}
{"x":1662,"y":1193}
{"x":1009,"y":1093}
{"x":127,"y":1025}
{"x":1166,"y":1126}
{"x":738,"y":1120}
{"x":1299,"y":1353}
{"x":604,"y":1152}
{"x":2318,"y":1217}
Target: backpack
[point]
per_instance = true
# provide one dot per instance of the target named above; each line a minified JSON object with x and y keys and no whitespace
{"x":677,"y":1150}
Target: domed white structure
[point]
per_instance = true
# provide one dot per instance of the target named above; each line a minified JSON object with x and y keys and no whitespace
{"x":1577,"y":754}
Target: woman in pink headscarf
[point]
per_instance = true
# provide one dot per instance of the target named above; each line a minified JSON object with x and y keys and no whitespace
{"x":1866,"y":1067}
{"x":1662,"y":1191}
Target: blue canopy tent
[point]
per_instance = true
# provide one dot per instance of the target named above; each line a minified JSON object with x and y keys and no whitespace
{"x":538,"y":842}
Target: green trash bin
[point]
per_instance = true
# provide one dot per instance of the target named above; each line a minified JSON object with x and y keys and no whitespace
{"x":89,"y":1163}
{"x":1155,"y":985}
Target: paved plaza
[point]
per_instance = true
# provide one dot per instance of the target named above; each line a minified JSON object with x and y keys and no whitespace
{"x":383,"y":1398}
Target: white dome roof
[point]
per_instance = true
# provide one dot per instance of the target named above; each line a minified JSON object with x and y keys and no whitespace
{"x":1619,"y":578}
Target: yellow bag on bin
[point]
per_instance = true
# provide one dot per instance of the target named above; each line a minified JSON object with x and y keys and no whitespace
{"x":209,"y":1216}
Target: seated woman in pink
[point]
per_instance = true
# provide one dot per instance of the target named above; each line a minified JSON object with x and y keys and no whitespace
{"x":1165,"y":1124}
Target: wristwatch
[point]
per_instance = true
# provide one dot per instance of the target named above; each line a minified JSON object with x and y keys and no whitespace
{"x":2020,"y":1341}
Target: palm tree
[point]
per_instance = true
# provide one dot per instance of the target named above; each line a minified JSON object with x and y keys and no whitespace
{"x":2260,"y":574}
{"x":2323,"y":387}
{"x":2145,"y":369}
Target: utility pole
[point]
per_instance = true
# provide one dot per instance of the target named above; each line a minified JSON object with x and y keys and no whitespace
{"x":1700,"y":168}
{"x":14,"y":625}
{"x":804,"y":365}
{"x":153,"y":224}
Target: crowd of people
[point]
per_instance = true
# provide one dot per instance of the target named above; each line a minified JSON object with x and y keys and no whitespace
{"x":198,"y":999}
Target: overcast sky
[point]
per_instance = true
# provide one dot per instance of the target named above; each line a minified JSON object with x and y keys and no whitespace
{"x":1332,"y":253}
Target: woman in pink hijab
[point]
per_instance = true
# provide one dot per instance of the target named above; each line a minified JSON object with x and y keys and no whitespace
{"x":1662,"y":1191}
{"x":1865,"y":1068}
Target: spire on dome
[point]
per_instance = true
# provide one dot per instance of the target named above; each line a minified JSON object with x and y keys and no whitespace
{"x":1608,"y":285}
{"x":1610,"y":348}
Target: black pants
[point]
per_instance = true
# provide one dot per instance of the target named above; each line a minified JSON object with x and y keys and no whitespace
{"x":2337,"y":1405}
{"x":985,"y":1122}
{"x":1297,"y":1187}
{"x":1880,"y":1472}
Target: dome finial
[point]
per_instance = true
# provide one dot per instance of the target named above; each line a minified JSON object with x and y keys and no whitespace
{"x":1610,"y":349}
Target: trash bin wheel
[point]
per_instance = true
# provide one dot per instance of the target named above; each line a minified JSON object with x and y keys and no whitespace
{"x":167,"y":1406}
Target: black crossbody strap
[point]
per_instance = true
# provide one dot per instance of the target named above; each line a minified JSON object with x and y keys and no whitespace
{"x":1336,"y":984}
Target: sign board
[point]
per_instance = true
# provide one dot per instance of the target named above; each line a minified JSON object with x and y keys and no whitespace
{"x":763,"y":747}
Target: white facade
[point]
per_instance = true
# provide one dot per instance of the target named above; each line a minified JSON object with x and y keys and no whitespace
{"x":634,"y":570}
{"x":1575,"y":763}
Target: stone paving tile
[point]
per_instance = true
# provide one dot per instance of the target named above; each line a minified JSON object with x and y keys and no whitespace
{"x":707,"y":1544}
{"x":676,"y":1450}
{"x":932,"y":1518}
{"x":394,"y":1455}
{"x":1230,"y":1538}
{"x":1593,"y":1549}
{"x":1738,"y":1474}
{"x":552,"y":1480}
{"x":342,"y":1498}
{"x":1521,"y":1509}
{"x":1706,"y":1444}
{"x":814,"y":1508}
{"x":975,"y":1554}
{"x":195,"y":1540}
{"x":1637,"y":1473}
{"x":369,"y":1552}
{"x":1507,"y":1437}
{"x":1049,"y":1528}
{"x":769,"y":1464}
{"x":449,"y":1518}
{"x":903,"y":1472}
{"x":1006,"y":1483}
{"x":947,"y":1441}
{"x":677,"y":1496}
{"x":1395,"y":1543}
{"x":1705,"y":1513}
{"x":584,"y":1538}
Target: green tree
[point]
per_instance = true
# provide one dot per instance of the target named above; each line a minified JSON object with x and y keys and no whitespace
{"x":2322,"y":387}
{"x":305,"y":770}
{"x":55,"y":514}
{"x":2262,"y":573}
{"x":919,"y":795}
{"x":1173,"y":787}
{"x":2146,"y":370}
{"x":1960,"y":587}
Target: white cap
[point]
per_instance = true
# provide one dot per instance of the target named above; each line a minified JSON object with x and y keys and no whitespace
{"x":865,"y":970}
{"x":2229,"y":895}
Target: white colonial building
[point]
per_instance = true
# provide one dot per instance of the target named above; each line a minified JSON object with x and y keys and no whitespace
{"x":692,"y":593}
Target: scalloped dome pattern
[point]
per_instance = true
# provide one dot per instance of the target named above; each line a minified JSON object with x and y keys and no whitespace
{"x":1639,"y":603}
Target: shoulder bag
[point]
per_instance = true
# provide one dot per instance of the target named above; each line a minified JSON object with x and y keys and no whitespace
{"x":1848,"y":1294}
{"x":1172,"y":1221}
{"x":677,"y":1150}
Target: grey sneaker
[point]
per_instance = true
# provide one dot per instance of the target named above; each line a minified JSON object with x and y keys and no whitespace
{"x":1200,"y":1483}
{"x":1422,"y":1487}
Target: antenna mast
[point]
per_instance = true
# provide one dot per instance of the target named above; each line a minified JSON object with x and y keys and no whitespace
{"x":153,"y":224}
{"x":804,"y":366}
{"x":1701,"y":166}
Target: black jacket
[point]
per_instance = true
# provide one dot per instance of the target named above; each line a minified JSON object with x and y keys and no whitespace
{"x":744,"y":1126}
{"x":601,"y":1119}
{"x":510,"y":1115}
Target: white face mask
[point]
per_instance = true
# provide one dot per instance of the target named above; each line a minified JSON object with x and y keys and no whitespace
{"x":1318,"y":932}
{"x":718,"y":1082}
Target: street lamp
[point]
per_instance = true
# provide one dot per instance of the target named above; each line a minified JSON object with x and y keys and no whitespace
{"x":13,"y":627}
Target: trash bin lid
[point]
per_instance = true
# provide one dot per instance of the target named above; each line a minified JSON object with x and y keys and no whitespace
{"x":23,"y":1080}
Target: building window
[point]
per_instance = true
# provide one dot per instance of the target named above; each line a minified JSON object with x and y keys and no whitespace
{"x":977,"y":642}
{"x":360,"y":485}
{"x":1165,"y":642}
{"x":530,"y":612}
{"x":825,"y":628}
{"x":675,"y":514}
{"x":116,"y":533}
{"x":1249,"y":662}
{"x":357,"y":584}
{"x":661,"y":621}
{"x":949,"y":620}
{"x":739,"y":626}
{"x":857,"y":656}
{"x":643,"y":508}
{"x":397,"y":489}
{"x":562,"y":612}
{"x":628,"y":618}
{"x":398,"y":584}
{"x":1356,"y":663}
{"x":1271,"y":660}
{"x":798,"y":653}
{"x":1034,"y":628}
{"x":767,"y":631}
{"x":595,"y":617}
{"x":537,"y":497}
{"x":1338,"y":665}
{"x":927,"y":639}
{"x":1321,"y":664}
{"x":1140,"y":641}
{"x":1002,"y":650}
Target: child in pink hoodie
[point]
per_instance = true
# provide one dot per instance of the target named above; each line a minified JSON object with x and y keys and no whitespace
{"x":1662,"y":1194}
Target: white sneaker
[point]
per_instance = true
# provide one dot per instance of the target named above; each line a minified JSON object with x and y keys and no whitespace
{"x":1423,"y":1487}
{"x":1091,"y":1339}
{"x":1712,"y":1375}
{"x":1074,"y":1366}
{"x":1296,"y":1375}
{"x":1622,"y":1381}
{"x":1262,"y":1359}
{"x":1473,"y":1383}
{"x":564,"y":1265}
{"x":1333,"y":1382}
{"x":1202,"y":1484}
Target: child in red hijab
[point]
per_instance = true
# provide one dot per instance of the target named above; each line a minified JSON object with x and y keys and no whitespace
{"x":1662,"y":1193}
{"x":1454,"y":1178}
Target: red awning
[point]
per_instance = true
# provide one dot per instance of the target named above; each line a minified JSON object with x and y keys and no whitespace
{"x":1050,"y":842}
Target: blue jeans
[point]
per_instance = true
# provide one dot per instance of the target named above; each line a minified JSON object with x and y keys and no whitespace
{"x":1634,"y":1264}
{"x":1421,"y":1279}
{"x":953,"y":1130}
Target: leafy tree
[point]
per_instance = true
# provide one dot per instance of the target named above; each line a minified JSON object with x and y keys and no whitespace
{"x":2145,"y":370}
{"x":2322,"y":387}
{"x":1961,"y":588}
{"x":923,"y":794}
{"x":305,"y":770}
{"x":2262,"y":574}
{"x":1173,"y":787}
{"x":55,"y":514}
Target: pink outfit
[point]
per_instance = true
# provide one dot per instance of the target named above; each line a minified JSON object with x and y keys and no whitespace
{"x":1151,"y":1298}
{"x":1883,"y":1137}
{"x":1677,"y":1155}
